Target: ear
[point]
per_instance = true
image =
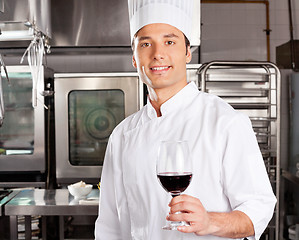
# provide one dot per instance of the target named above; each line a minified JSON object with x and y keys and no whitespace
{"x":188,"y":55}
{"x":134,"y":61}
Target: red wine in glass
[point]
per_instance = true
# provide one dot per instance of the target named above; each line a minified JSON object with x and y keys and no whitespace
{"x":175,"y":183}
{"x":174,"y":171}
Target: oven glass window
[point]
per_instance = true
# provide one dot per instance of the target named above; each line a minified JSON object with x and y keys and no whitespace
{"x":17,"y":131}
{"x":92,"y":115}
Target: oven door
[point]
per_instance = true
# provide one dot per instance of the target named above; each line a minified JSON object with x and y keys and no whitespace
{"x":22,"y":135}
{"x":87,"y":109}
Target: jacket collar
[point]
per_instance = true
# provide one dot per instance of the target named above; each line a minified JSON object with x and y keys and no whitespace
{"x":177,"y":102}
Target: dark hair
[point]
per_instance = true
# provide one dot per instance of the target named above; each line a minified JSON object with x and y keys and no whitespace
{"x":187,"y":42}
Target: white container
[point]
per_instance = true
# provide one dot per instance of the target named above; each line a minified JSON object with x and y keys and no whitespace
{"x":79,"y":191}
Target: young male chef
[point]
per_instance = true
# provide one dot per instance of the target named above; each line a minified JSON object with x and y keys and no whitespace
{"x":229,"y":195}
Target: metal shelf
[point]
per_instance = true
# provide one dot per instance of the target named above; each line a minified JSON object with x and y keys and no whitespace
{"x":254,"y":89}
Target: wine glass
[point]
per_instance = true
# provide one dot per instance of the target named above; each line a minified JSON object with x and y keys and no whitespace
{"x":174,"y":171}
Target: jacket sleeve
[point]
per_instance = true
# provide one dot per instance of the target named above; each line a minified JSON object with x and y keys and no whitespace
{"x":246,"y":182}
{"x":107,"y":225}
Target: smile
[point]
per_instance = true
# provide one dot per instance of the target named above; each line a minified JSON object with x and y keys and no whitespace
{"x":160,"y":68}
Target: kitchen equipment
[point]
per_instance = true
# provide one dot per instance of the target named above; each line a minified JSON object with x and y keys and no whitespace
{"x":35,"y":53}
{"x":2,"y":109}
{"x":19,"y":19}
{"x":87,"y":109}
{"x":22,"y":135}
{"x":254,"y":89}
{"x":95,"y":23}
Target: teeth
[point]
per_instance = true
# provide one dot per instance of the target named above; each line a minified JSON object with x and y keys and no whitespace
{"x":159,"y":68}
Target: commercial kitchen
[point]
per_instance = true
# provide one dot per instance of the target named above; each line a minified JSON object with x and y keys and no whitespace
{"x":67,"y":81}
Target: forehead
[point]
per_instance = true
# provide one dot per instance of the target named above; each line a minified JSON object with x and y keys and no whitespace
{"x":158,"y":30}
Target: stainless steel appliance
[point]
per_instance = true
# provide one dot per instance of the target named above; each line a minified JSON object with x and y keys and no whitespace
{"x":22,"y":135}
{"x":74,"y":23}
{"x":20,"y":18}
{"x":87,"y":108}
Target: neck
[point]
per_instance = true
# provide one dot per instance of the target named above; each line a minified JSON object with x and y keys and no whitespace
{"x":163,"y":95}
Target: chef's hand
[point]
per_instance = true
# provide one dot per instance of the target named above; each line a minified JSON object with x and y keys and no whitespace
{"x":234,"y":224}
{"x":193,"y":212}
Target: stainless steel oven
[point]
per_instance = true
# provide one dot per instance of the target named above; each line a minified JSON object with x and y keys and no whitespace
{"x":22,"y":135}
{"x":87,"y":108}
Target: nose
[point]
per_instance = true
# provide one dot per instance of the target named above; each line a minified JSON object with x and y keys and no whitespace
{"x":158,"y":52}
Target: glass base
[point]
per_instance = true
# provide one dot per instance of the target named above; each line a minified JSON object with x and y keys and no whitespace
{"x":174,"y":225}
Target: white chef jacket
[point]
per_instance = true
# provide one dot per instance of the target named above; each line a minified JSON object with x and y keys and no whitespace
{"x":228,"y":169}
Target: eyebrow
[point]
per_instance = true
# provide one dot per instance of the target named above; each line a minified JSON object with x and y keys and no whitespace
{"x":170,"y":35}
{"x":144,"y":38}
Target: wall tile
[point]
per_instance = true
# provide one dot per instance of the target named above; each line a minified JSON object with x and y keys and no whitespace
{"x":208,"y":13}
{"x":272,"y":5}
{"x":238,"y":7}
{"x":282,"y":4}
{"x":223,"y":16}
{"x":240,"y":32}
{"x":254,"y":6}
{"x":207,"y":32}
{"x":281,"y":32}
{"x":247,"y":22}
{"x":272,"y":16}
{"x":238,"y":17}
{"x":255,"y":16}
{"x":223,"y":32}
{"x":224,"y":7}
{"x":282,"y":16}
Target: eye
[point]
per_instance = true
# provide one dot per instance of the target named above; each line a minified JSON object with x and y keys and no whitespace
{"x":170,"y":42}
{"x":146,"y":44}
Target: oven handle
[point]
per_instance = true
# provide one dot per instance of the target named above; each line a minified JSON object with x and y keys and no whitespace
{"x":2,"y":109}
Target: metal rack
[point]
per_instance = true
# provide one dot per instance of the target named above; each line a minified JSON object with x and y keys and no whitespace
{"x":254,"y":89}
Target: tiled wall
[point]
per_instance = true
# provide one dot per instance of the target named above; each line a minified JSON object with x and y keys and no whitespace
{"x":235,"y":31}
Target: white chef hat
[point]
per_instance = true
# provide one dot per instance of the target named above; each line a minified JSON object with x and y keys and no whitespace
{"x":182,"y":14}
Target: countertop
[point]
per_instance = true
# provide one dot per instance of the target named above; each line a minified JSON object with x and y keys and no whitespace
{"x":5,"y":200}
{"x":43,"y":202}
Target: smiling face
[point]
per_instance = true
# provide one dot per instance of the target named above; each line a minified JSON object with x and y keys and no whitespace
{"x":160,"y":48}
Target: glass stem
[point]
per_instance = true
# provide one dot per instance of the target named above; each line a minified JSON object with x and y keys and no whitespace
{"x":175,"y":194}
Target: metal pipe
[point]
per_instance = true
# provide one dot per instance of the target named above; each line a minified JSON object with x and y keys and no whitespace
{"x":267,"y":30}
{"x":266,"y":2}
{"x":293,"y":58}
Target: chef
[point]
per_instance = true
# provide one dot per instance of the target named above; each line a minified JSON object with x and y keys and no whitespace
{"x":229,"y":196}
